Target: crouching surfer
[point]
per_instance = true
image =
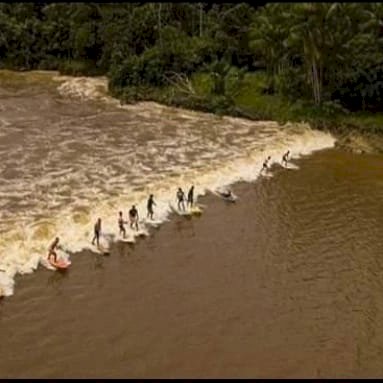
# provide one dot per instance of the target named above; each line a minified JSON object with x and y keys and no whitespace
{"x":52,"y":249}
{"x":285,"y":158}
{"x":227,"y":194}
{"x":265,"y":165}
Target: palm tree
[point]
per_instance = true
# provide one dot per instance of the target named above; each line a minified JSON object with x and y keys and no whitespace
{"x":267,"y":35}
{"x":329,"y":36}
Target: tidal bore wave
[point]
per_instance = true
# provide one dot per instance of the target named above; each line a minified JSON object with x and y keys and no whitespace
{"x":69,"y":157}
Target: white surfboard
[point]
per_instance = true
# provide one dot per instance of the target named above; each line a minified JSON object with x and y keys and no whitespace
{"x":179,"y":212}
{"x":291,"y":166}
{"x":127,"y":239}
{"x":150,"y":222}
{"x":103,"y":250}
{"x":141,"y":233}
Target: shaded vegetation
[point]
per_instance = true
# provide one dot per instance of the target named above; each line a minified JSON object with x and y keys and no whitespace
{"x":318,"y":62}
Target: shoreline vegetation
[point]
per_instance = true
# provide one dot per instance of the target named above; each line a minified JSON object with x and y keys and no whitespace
{"x":319,"y":63}
{"x":358,"y":132}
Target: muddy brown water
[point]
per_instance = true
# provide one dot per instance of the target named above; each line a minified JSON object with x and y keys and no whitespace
{"x":68,"y":157}
{"x":286,"y":283}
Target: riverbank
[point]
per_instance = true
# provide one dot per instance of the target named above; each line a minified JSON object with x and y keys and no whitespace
{"x":357,"y":132}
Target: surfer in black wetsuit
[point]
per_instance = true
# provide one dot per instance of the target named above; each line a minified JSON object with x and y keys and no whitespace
{"x":190,"y":199}
{"x":149,"y":206}
{"x":181,"y":198}
{"x":97,"y":232}
{"x":52,"y":249}
{"x":121,"y":223}
{"x":284,"y":158}
{"x":133,"y":216}
{"x":265,"y":165}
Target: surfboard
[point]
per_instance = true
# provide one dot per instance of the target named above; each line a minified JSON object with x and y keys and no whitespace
{"x":232,"y":198}
{"x":291,"y":167}
{"x":127,"y":239}
{"x":196,"y":210}
{"x":102,"y":249}
{"x":142,"y":233}
{"x":60,"y":263}
{"x":180,"y":212}
{"x":151,"y":222}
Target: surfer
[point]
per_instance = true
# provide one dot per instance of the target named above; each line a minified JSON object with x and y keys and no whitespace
{"x":265,"y":165}
{"x":121,"y":223}
{"x":150,"y":205}
{"x":133,"y":216}
{"x":227,"y":194}
{"x":181,"y":198}
{"x":190,"y":199}
{"x":52,"y":249}
{"x":284,"y":158}
{"x":97,"y":232}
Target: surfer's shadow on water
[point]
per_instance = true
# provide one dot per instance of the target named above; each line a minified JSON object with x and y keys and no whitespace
{"x":123,"y":248}
{"x":98,"y":263}
{"x":56,"y":279}
{"x":185,"y":227}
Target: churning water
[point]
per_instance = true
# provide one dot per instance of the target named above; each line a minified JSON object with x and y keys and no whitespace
{"x":71,"y":155}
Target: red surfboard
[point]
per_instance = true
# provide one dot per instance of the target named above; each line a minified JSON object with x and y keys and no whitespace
{"x":60,"y":264}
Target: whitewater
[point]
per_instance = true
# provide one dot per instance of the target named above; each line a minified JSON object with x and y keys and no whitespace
{"x":73,"y":154}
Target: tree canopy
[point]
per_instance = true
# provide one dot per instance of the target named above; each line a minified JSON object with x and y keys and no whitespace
{"x":320,"y":52}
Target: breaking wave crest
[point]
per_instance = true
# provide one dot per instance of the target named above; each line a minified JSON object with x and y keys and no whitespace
{"x":66,"y":160}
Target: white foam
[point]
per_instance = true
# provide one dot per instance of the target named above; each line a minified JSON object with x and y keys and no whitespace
{"x":115,"y":166}
{"x":6,"y":284}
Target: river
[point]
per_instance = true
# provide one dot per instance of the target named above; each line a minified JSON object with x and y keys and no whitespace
{"x":284,"y":283}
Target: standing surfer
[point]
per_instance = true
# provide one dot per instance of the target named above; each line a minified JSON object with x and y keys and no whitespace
{"x":149,"y":206}
{"x":181,"y":198}
{"x":121,"y":226}
{"x":97,"y":232}
{"x":133,"y":217}
{"x":190,"y":199}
